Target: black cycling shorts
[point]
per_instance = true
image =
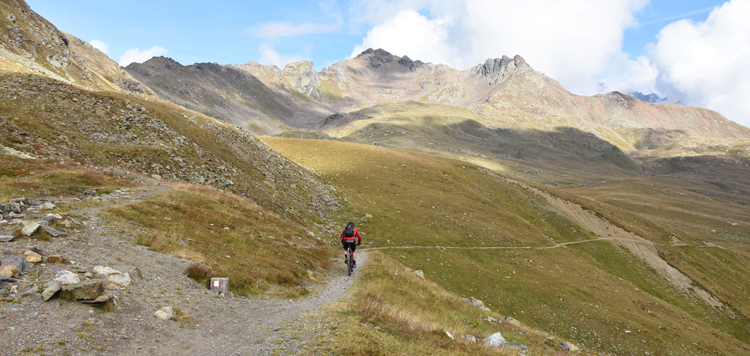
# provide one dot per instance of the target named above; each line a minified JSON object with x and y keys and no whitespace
{"x":353,"y":244}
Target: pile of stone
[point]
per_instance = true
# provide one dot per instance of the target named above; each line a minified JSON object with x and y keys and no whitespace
{"x":88,"y":288}
{"x":29,"y":215}
{"x":19,"y":208}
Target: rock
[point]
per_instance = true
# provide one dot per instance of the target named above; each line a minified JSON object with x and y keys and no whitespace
{"x":165,"y":313}
{"x":50,"y":291}
{"x":512,"y":321}
{"x":32,"y":257}
{"x":12,"y":260}
{"x":47,"y":206}
{"x":100,"y":299}
{"x":449,"y":335}
{"x":475,"y":302}
{"x":470,"y":338}
{"x":495,"y":340}
{"x":120,"y":279}
{"x":87,"y":290}
{"x":67,"y":277}
{"x":29,"y":228}
{"x":9,"y":271}
{"x":515,"y":346}
{"x":57,"y":259}
{"x":52,"y":231}
{"x":493,"y":320}
{"x":105,"y":271}
{"x":6,"y":238}
{"x":419,"y":273}
{"x":90,"y":192}
{"x":566,"y":346}
{"x":49,"y":217}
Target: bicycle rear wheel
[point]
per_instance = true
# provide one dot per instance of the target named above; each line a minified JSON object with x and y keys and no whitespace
{"x":350,"y":262}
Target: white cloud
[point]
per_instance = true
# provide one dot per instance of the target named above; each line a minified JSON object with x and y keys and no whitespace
{"x":573,"y":42}
{"x":268,"y":55}
{"x":410,"y":33}
{"x":627,"y":75}
{"x":100,"y":45}
{"x":274,"y":30}
{"x":708,"y":63}
{"x":138,"y":56}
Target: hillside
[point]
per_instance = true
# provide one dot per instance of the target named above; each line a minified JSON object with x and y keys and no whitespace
{"x":594,"y":271}
{"x":603,"y":224}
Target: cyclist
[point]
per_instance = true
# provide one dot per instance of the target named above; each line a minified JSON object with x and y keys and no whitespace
{"x":348,"y":238}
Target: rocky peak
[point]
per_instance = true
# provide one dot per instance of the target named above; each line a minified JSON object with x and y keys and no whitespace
{"x":304,"y":78}
{"x":498,"y":69}
{"x":28,"y":35}
{"x":377,"y":57}
{"x":160,"y":61}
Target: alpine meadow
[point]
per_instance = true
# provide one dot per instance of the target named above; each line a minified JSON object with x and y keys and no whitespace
{"x":500,"y":213}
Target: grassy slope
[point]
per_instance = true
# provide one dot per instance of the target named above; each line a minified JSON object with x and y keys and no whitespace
{"x":259,"y":251}
{"x":413,"y":315}
{"x":589,"y":292}
{"x":550,"y":154}
{"x":87,"y":139}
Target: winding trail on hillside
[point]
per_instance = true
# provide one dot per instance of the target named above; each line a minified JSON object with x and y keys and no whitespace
{"x":499,"y":247}
{"x":642,"y":248}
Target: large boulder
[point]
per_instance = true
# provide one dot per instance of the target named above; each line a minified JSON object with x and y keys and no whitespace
{"x":12,"y":260}
{"x":52,"y":288}
{"x":165,"y":313}
{"x":495,"y":340}
{"x":9,"y":271}
{"x":67,"y":277}
{"x":113,"y":275}
{"x":475,"y":302}
{"x":29,"y":228}
{"x":86,"y":290}
{"x":32,"y":257}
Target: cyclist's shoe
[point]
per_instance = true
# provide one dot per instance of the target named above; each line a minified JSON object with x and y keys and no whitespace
{"x":354,"y":264}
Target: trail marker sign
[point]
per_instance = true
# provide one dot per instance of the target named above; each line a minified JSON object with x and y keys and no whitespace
{"x":220,"y":285}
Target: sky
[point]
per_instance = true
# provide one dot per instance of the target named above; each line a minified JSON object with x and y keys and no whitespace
{"x":695,"y":50}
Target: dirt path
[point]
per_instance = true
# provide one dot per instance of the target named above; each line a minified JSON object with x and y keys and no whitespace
{"x":217,"y":325}
{"x":501,"y":247}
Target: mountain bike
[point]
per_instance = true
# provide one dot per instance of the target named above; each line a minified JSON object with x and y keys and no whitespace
{"x":349,"y":260}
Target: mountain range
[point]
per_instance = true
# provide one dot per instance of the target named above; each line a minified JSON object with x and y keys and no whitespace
{"x":614,"y":222}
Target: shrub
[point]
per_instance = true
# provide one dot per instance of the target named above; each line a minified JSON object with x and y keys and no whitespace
{"x":199,"y":272}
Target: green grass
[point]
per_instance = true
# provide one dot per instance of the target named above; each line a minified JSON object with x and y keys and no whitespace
{"x":412,"y":315}
{"x":583,"y":292}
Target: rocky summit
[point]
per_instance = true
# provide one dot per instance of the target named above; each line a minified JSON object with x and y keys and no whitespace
{"x":173,"y":209}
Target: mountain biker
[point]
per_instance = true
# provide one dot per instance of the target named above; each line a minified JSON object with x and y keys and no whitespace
{"x":348,"y":238}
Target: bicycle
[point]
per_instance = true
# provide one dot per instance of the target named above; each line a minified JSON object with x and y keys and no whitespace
{"x":349,"y":260}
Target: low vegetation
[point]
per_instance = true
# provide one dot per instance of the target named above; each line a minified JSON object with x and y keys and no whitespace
{"x":227,"y":236}
{"x":431,"y":213}
{"x":394,"y":312}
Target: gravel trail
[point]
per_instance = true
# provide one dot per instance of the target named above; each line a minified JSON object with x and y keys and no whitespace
{"x":217,"y":325}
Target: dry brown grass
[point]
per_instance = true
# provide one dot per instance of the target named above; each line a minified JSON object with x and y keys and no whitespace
{"x":256,"y":249}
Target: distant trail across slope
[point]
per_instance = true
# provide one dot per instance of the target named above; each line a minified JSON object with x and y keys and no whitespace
{"x":644,"y":249}
{"x":504,"y":247}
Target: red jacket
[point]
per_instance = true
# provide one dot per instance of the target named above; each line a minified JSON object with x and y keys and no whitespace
{"x":356,"y":233}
